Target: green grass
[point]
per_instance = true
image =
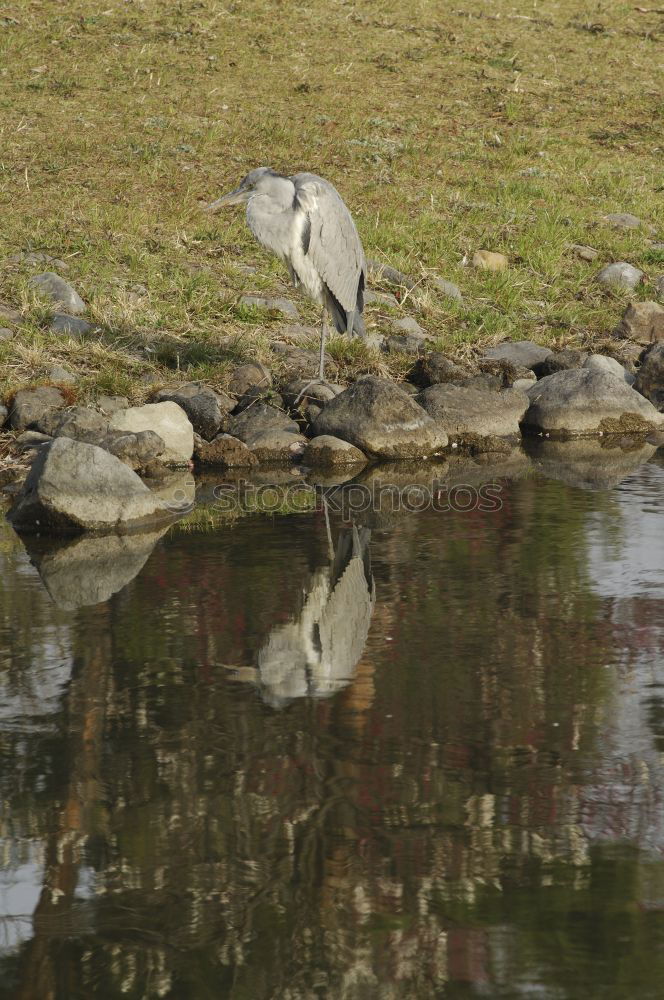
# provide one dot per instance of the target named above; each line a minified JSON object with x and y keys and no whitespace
{"x":446,"y":130}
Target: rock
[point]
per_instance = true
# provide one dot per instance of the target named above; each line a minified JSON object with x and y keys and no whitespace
{"x":276,"y":445}
{"x":139,"y":451}
{"x":111,"y":404}
{"x":305,"y":363}
{"x":298,"y":333}
{"x":408,"y":325}
{"x":584,"y":403}
{"x":283,"y":306}
{"x":487,"y":260}
{"x":642,"y":322}
{"x":373,"y":298}
{"x":619,"y":275}
{"x":331,"y":452}
{"x":257,"y":419}
{"x":584,"y":252}
{"x":560,"y":361}
{"x":168,"y":420}
{"x":4,"y":413}
{"x":650,"y":376}
{"x":6,"y":333}
{"x":446,"y":288}
{"x":658,"y":284}
{"x":38,"y":257}
{"x":519,"y":352}
{"x":32,"y":439}
{"x":259,"y":394}
{"x":466,"y":414}
{"x":381,"y":419}
{"x":383,"y":272}
{"x":58,"y":374}
{"x":89,"y":570}
{"x":70,"y":325}
{"x":247,"y":376}
{"x":433,"y":369}
{"x":207,"y":410}
{"x":74,"y":487}
{"x":308,"y":392}
{"x":601,"y":363}
{"x":224,"y":450}
{"x":8,"y":314}
{"x":589,"y":464}
{"x":502,"y":374}
{"x":77,"y":423}
{"x":30,"y":405}
{"x":406,"y":343}
{"x":623,"y":220}
{"x":53,"y":288}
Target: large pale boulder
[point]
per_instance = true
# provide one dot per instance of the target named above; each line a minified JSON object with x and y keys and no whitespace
{"x":381,"y":419}
{"x":470,"y":413}
{"x":585,"y":402}
{"x":74,"y":487}
{"x":168,"y":420}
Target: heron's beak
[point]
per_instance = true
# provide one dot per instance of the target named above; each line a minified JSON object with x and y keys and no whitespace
{"x":232,"y":198}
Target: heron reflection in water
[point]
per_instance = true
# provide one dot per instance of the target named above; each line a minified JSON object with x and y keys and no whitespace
{"x":315,"y":654}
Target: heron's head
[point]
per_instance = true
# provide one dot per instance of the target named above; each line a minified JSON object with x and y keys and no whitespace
{"x":258,"y":181}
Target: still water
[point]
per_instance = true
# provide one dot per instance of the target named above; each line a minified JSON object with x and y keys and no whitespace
{"x":421,"y":758}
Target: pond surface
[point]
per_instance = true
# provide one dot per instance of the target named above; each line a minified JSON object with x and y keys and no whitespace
{"x":424,"y":762}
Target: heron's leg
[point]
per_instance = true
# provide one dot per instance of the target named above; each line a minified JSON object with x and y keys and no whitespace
{"x":330,"y":543}
{"x":321,"y":362}
{"x":323,"y":335}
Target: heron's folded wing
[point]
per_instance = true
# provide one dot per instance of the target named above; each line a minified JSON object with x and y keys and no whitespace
{"x":334,"y":243}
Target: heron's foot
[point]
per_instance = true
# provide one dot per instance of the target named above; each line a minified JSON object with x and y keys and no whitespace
{"x":308,"y":386}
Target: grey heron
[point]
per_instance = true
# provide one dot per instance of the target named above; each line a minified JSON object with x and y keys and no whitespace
{"x":303,"y":220}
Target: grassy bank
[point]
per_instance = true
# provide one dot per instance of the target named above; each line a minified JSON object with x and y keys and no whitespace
{"x":447,"y":129}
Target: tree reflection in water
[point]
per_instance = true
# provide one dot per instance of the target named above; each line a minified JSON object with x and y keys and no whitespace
{"x":469,"y":815}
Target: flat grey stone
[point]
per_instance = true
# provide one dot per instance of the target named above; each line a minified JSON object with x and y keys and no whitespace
{"x":583,"y":403}
{"x":74,"y":487}
{"x":620,"y":275}
{"x":372,"y":297}
{"x":38,"y":257}
{"x":8,"y":314}
{"x":70,"y":325}
{"x":405,"y":343}
{"x":623,"y":220}
{"x":409,"y":325}
{"x":275,"y":304}
{"x":464,"y":411}
{"x":519,"y":352}
{"x":378,"y":271}
{"x":584,"y":252}
{"x":58,"y":374}
{"x":53,"y":288}
{"x":447,"y":288}
{"x":6,"y":333}
{"x":32,"y":439}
